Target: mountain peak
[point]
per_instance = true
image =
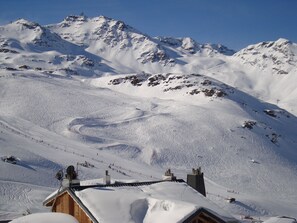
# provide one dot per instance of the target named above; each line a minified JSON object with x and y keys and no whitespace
{"x":278,"y":56}
{"x":282,"y":40}
{"x":222,"y":49}
{"x":190,"y":45}
{"x":103,"y":17}
{"x":23,"y":30}
{"x":76,"y":18}
{"x":100,"y":34}
{"x":115,"y":24}
{"x":96,"y":21}
{"x":26,"y":23}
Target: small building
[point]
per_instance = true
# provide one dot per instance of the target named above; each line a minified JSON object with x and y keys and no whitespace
{"x":155,"y":201}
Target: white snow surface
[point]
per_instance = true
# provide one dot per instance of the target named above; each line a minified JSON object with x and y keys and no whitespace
{"x":280,"y":219}
{"x":46,"y":218}
{"x":98,"y":90}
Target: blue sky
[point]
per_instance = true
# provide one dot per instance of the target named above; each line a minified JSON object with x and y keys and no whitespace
{"x":234,"y":23}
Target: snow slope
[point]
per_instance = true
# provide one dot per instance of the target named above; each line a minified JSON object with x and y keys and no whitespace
{"x":51,"y":123}
{"x":46,"y":218}
{"x":99,"y":91}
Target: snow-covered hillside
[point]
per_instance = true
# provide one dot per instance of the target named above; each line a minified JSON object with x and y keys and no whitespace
{"x":26,"y":45}
{"x":97,"y":91}
{"x":278,"y":57}
{"x":118,"y":43}
{"x":271,"y":67}
{"x":95,"y":46}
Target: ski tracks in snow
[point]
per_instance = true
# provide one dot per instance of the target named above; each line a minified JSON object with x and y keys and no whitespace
{"x":20,"y":196}
{"x":114,"y":167}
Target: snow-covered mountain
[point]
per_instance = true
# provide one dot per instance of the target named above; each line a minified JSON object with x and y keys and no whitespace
{"x":271,"y":70}
{"x":128,"y":49}
{"x":188,"y":45}
{"x":96,"y":90}
{"x":94,"y":46}
{"x":277,"y":57}
{"x":112,"y":39}
{"x":26,"y":45}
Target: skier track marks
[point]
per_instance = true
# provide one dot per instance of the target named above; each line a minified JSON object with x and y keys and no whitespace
{"x":49,"y":145}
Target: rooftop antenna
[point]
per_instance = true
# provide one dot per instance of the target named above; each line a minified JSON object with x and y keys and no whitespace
{"x":69,"y":178}
{"x":71,"y":173}
{"x":59,"y":176}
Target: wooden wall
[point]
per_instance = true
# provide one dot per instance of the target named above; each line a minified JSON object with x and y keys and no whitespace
{"x":203,"y":218}
{"x":65,"y":204}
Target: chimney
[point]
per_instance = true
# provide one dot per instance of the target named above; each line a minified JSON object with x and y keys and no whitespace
{"x":169,"y":175}
{"x":196,"y":181}
{"x":107,"y":178}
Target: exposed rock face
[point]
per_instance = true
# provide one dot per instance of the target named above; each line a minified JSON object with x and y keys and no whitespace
{"x":192,"y":84}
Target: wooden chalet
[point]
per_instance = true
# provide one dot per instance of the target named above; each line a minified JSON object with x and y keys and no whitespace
{"x":67,"y":201}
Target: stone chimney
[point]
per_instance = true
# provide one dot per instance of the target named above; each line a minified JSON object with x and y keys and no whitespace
{"x":107,"y":178}
{"x":196,"y":181}
{"x":169,"y":175}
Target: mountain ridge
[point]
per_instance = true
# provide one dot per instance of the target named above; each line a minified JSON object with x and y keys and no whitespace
{"x":117,"y":48}
{"x":83,"y":46}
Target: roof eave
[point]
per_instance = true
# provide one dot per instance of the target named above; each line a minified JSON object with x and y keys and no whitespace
{"x":218,"y":218}
{"x":49,"y":200}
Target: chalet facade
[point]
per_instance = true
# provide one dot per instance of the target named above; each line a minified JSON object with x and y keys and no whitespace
{"x":67,"y":202}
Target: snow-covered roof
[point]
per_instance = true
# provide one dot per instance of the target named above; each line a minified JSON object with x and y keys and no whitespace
{"x":46,"y":218}
{"x":280,"y":219}
{"x":157,"y":202}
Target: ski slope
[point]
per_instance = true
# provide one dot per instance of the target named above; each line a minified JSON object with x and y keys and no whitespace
{"x":50,"y":123}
